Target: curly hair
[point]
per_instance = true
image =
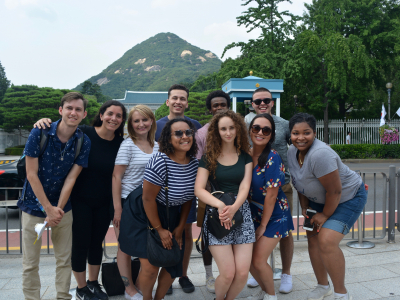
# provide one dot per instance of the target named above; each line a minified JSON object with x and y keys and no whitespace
{"x":146,"y":112}
{"x":215,"y":94}
{"x":214,"y":139}
{"x":97,"y":122}
{"x":165,"y":138}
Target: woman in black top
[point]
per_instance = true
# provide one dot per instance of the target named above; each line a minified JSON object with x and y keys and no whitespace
{"x":91,"y":196}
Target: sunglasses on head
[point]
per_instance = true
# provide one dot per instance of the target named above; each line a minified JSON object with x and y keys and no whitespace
{"x":265,"y":130}
{"x":187,"y":132}
{"x":265,"y":100}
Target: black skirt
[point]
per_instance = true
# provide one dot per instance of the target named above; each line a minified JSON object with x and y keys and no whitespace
{"x":133,"y":228}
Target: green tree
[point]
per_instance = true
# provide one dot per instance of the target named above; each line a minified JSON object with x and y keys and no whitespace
{"x":4,"y":82}
{"x":339,"y":55}
{"x":94,"y":89}
{"x":23,"y":105}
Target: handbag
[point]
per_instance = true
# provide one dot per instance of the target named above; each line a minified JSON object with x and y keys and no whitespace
{"x":111,"y":278}
{"x":156,"y":253}
{"x":213,"y":222}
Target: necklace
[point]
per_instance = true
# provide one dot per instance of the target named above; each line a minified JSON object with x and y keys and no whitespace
{"x":184,"y":167}
{"x":63,"y":152}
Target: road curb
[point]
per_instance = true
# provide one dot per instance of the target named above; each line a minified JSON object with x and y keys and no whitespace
{"x":372,"y":161}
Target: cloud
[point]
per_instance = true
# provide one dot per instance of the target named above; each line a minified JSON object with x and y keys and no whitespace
{"x":126,"y":11}
{"x":12,"y":4}
{"x":163,"y":3}
{"x":32,"y":9}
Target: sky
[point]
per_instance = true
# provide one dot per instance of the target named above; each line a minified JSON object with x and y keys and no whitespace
{"x":61,"y":43}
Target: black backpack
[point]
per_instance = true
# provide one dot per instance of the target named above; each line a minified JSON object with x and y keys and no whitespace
{"x":21,"y":165}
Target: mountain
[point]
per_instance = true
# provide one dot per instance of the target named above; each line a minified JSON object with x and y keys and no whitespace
{"x":155,"y":65}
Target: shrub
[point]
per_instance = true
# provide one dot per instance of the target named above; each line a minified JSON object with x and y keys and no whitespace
{"x":362,"y":151}
{"x":17,"y":150}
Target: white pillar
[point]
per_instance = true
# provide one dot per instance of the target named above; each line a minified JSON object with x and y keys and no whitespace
{"x":278,"y":107}
{"x":234,"y":104}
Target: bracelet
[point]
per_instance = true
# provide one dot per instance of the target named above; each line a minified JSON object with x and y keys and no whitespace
{"x":157,"y":226}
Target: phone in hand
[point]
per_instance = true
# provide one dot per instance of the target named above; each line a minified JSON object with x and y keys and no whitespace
{"x":307,"y":221}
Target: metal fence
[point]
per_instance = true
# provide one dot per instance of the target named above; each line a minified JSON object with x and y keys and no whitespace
{"x":371,"y":225}
{"x":362,"y":131}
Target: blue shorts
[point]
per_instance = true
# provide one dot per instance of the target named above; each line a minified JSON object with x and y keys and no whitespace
{"x":346,"y":214}
{"x":192,"y":217}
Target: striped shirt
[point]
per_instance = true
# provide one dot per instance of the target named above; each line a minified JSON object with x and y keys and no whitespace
{"x":181,"y":178}
{"x":136,"y":160}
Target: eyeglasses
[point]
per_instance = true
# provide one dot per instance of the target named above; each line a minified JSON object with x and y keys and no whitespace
{"x":187,"y":132}
{"x":265,"y":130}
{"x":265,"y":100}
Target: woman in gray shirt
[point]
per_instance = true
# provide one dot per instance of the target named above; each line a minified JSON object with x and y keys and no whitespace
{"x":329,"y":187}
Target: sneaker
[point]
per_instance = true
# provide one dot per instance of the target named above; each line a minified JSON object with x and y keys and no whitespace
{"x":169,"y":292}
{"x":95,"y":288}
{"x":85,"y":294}
{"x":153,"y":293}
{"x":270,"y":297}
{"x":186,"y":284}
{"x":344,"y":297}
{"x":137,"y":296}
{"x":319,"y":293}
{"x":259,"y":296}
{"x":210,"y":284}
{"x":286,"y":284}
{"x":252,"y":283}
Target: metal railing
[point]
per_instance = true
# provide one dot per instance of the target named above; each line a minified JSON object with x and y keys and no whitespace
{"x":12,"y":203}
{"x":387,"y":183}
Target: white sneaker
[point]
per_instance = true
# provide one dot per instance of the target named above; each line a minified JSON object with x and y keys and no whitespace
{"x":319,"y":293}
{"x":137,"y":296}
{"x":344,"y":297}
{"x":270,"y":297}
{"x":252,"y":283}
{"x":259,"y":296}
{"x":286,"y":284}
{"x":210,"y":284}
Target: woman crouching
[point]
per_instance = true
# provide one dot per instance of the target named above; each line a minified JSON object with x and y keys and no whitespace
{"x":177,"y":154}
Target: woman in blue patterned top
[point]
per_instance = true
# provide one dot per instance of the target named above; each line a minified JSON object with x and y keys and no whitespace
{"x":178,"y":150}
{"x":268,"y":203}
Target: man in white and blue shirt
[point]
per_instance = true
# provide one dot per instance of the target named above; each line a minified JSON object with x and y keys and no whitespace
{"x":45,"y":197}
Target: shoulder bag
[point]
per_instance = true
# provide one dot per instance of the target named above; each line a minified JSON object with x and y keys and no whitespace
{"x":156,"y":253}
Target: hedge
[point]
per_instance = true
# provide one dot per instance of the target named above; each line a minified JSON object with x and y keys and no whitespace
{"x":17,"y":150}
{"x":362,"y":151}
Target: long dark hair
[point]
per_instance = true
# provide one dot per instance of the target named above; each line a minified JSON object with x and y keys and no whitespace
{"x":262,"y":159}
{"x":165,"y":138}
{"x":97,"y":122}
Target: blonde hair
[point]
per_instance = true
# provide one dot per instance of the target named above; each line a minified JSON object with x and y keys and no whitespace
{"x":145,"y":111}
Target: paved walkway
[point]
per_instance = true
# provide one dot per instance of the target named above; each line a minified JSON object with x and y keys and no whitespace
{"x":370,"y":274}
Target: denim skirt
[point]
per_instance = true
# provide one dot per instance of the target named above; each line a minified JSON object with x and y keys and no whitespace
{"x":133,"y":229}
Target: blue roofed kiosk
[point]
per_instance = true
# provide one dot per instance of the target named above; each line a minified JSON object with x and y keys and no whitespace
{"x":241,"y":89}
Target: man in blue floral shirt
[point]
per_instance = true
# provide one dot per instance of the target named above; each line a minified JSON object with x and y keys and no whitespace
{"x":50,"y":179}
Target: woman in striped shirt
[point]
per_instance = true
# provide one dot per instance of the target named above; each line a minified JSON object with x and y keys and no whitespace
{"x":177,"y":153}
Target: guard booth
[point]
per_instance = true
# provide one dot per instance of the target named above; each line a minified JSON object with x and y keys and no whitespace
{"x":241,"y":89}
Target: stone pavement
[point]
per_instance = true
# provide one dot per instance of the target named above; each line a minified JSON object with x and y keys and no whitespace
{"x":370,"y":274}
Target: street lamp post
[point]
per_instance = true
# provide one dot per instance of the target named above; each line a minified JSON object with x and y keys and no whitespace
{"x":389,"y":87}
{"x":295,"y":103}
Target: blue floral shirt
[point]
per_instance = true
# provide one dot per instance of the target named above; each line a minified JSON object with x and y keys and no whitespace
{"x":54,"y":166}
{"x":269,"y":176}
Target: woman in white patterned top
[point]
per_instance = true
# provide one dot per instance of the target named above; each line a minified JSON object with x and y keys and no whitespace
{"x":133,"y":155}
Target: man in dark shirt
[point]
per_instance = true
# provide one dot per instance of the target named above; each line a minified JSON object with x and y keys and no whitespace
{"x":177,"y":102}
{"x":45,"y":197}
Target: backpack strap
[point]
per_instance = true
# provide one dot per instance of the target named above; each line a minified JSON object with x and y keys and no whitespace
{"x":78,"y":144}
{"x":44,"y":138}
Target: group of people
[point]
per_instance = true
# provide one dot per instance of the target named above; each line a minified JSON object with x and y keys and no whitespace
{"x":154,"y":179}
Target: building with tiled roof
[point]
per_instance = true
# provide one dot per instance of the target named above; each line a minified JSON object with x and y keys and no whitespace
{"x":152,"y":99}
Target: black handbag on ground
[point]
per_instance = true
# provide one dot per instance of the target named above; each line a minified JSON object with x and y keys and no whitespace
{"x":213,"y":221}
{"x":111,"y":279}
{"x":156,"y":253}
